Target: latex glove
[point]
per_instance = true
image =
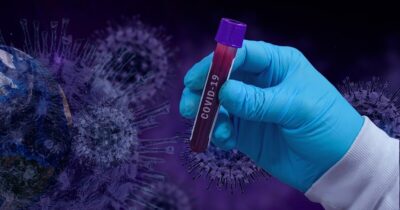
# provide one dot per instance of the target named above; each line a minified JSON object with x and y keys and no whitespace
{"x":280,"y":111}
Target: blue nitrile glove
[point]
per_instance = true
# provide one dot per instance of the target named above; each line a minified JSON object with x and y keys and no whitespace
{"x":280,"y":111}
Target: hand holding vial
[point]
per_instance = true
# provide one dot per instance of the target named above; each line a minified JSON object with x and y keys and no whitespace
{"x":279,"y":110}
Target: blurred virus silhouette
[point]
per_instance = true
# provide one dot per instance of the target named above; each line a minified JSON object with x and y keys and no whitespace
{"x":109,"y":160}
{"x":34,"y":133}
{"x":72,"y":62}
{"x":146,"y":60}
{"x":104,"y":136}
{"x":168,"y":196}
{"x":118,"y":187}
{"x":229,"y":170}
{"x":127,"y":65}
{"x":373,"y":99}
{"x":87,"y":77}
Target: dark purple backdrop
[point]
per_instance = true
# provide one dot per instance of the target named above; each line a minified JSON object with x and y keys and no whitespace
{"x":340,"y":40}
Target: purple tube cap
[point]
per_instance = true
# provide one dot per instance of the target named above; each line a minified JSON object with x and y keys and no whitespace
{"x":231,"y":33}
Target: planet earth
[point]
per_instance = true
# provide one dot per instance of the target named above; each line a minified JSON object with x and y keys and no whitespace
{"x":34,"y":129}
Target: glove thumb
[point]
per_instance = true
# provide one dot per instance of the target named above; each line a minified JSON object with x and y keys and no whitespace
{"x":249,"y":102}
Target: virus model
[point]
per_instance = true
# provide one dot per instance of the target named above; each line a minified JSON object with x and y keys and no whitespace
{"x":225,"y":169}
{"x":372,"y":99}
{"x":139,"y":59}
{"x":102,"y":72}
{"x":71,"y":62}
{"x":110,"y":161}
{"x":104,"y":135}
{"x":127,"y":66}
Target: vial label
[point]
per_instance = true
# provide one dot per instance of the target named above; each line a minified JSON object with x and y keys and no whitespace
{"x":209,"y":103}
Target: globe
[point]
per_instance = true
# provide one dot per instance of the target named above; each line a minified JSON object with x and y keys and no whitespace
{"x":34,"y":129}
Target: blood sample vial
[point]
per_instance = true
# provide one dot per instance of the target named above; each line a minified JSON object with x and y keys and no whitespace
{"x":229,"y":38}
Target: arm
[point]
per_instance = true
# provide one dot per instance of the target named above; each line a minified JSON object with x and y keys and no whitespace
{"x":367,"y":177}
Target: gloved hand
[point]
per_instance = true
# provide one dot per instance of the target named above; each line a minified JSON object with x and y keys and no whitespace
{"x":280,"y":111}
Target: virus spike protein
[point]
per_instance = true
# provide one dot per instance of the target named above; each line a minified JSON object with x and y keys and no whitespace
{"x":228,"y":170}
{"x":373,"y":99}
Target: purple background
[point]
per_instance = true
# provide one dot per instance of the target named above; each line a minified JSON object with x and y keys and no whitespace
{"x":340,"y":40}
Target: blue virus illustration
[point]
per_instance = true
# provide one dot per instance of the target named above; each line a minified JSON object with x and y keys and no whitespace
{"x":168,"y":196}
{"x":145,"y":60}
{"x":373,"y":99}
{"x":229,"y":170}
{"x":34,"y":132}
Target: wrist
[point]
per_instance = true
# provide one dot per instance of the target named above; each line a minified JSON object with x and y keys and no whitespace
{"x":341,"y":133}
{"x":365,"y":177}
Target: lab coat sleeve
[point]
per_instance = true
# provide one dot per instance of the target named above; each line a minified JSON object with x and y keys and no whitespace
{"x":367,"y":177}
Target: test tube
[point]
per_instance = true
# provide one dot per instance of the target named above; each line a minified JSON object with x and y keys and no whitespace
{"x":229,"y":38}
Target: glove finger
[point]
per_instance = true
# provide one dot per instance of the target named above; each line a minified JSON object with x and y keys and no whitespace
{"x":253,"y":57}
{"x":196,"y":76}
{"x":223,"y":134}
{"x":252,"y":103}
{"x":223,"y":128}
{"x":189,"y":103}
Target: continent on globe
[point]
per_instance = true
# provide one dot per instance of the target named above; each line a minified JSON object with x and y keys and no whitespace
{"x":34,"y":132}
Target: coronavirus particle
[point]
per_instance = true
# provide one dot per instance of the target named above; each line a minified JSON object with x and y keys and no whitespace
{"x":373,"y":99}
{"x":103,"y":135}
{"x":228,"y":170}
{"x":110,"y":162}
{"x":101,"y":72}
{"x":145,"y":64}
{"x":127,"y":65}
{"x":71,"y":62}
{"x":118,"y":163}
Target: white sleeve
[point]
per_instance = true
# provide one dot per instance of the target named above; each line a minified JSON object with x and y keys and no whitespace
{"x":367,"y":177}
